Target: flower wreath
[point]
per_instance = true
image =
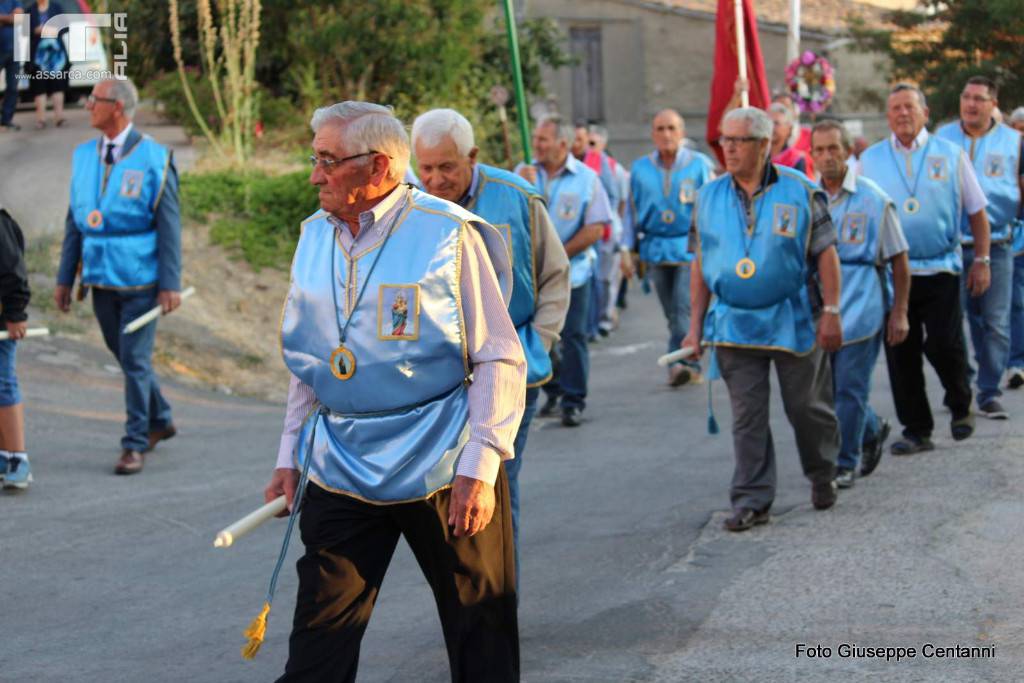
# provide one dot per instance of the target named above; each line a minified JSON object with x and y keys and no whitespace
{"x":810,"y":82}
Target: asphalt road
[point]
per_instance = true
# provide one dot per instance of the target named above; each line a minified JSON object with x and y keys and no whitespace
{"x":627,"y":575}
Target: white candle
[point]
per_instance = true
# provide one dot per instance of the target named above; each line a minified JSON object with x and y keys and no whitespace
{"x":31,"y":332}
{"x":681,"y":354}
{"x":230,"y":534}
{"x":152,"y":314}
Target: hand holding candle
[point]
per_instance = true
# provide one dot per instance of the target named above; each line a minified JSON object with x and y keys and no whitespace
{"x":251,"y":521}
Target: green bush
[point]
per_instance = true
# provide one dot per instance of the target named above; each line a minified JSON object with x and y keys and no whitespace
{"x":256,"y":214}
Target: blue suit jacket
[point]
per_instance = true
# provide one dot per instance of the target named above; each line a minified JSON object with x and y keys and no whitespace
{"x":167,"y":220}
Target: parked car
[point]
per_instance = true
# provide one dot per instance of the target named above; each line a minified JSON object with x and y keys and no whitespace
{"x":83,"y":74}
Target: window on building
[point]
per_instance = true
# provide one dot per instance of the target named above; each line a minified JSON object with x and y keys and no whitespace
{"x":587,"y":79}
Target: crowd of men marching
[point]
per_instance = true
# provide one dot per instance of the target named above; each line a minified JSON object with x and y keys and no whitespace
{"x":454,"y":299}
{"x":813,"y":251}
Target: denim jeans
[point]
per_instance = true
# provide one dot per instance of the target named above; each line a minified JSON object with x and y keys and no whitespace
{"x":570,"y":378}
{"x":145,"y":405}
{"x":852,"y":366}
{"x":10,"y":393}
{"x":672,"y":284}
{"x":513,"y":466}
{"x":988,"y":317}
{"x":1017,"y":315}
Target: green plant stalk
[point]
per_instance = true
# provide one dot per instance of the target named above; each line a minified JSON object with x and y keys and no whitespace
{"x":176,"y":41}
{"x":517,"y":74}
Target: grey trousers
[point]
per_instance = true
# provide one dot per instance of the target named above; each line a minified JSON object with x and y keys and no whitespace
{"x":806,"y":386}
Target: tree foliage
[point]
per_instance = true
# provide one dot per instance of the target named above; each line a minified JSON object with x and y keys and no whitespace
{"x":942,"y":43}
{"x":411,"y":54}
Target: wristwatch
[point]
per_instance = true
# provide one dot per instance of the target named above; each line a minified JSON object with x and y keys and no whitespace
{"x":987,"y":260}
{"x":834,"y":310}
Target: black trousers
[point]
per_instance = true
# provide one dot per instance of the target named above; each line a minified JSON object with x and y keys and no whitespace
{"x":349,"y":544}
{"x":936,"y":331}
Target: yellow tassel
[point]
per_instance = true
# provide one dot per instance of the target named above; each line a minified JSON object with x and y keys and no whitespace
{"x":255,"y":633}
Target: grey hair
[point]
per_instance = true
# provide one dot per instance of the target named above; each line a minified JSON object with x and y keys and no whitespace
{"x":760,"y":125}
{"x":370,"y":127}
{"x":834,"y":124}
{"x":125,"y":92}
{"x":904,"y":87}
{"x":780,"y":108}
{"x":432,"y":127}
{"x":1017,"y":115}
{"x":563,"y":131}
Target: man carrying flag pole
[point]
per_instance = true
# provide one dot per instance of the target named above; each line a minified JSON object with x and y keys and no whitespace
{"x":735,"y":36}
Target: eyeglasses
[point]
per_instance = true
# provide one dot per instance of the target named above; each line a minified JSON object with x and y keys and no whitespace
{"x":977,"y":99}
{"x":330,"y":164}
{"x":93,"y":99}
{"x":728,"y":140}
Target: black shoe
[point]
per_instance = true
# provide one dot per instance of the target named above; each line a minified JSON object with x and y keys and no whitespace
{"x":1016,"y":380}
{"x":962,"y":427}
{"x":872,"y":450}
{"x":845,"y":478}
{"x":746,"y":518}
{"x":572,"y":417}
{"x":550,"y":408}
{"x":911,"y":444}
{"x":993,"y":410}
{"x":823,"y":495}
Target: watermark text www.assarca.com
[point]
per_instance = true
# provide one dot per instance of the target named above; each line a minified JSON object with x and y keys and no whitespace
{"x":78,"y":27}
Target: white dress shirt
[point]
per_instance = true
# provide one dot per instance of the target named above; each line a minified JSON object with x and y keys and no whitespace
{"x":118,"y":143}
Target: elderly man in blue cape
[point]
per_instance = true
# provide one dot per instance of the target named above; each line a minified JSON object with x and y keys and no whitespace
{"x":870,"y":241}
{"x":761,"y":232}
{"x":123,"y":231}
{"x":404,"y":422}
{"x":580,"y":210}
{"x":446,"y":155}
{"x":933,"y":184}
{"x":995,"y":151}
{"x":663,"y":188}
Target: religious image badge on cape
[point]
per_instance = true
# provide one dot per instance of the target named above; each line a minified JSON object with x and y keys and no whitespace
{"x":784,"y":220}
{"x":994,"y":164}
{"x":687,"y":192}
{"x":853,"y":228}
{"x":131,"y":184}
{"x":398,"y":313}
{"x":937,"y":168}
{"x":567,"y":206}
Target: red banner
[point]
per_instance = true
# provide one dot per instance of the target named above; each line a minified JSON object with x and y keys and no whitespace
{"x":727,"y":66}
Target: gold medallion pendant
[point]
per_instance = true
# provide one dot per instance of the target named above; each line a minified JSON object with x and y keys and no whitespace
{"x":94,"y":219}
{"x":668,"y":216}
{"x":343,"y":363}
{"x":746,"y":268}
{"x":911,"y":206}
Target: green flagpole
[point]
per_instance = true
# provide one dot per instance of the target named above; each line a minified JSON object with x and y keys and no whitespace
{"x":517,"y":72}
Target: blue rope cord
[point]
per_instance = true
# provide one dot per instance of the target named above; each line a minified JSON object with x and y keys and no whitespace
{"x":300,"y":491}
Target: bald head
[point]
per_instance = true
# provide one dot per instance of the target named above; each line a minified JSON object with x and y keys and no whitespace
{"x":667,"y":132}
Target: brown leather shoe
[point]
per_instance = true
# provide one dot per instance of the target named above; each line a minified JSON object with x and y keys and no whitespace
{"x":159,"y":435}
{"x":130,"y":462}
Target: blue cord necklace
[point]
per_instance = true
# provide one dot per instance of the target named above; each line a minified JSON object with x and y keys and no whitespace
{"x":342,"y":360}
